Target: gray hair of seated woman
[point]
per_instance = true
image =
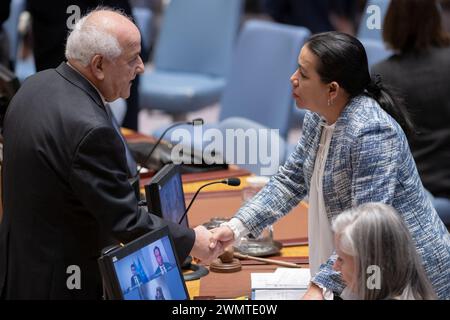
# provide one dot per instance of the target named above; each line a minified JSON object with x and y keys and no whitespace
{"x":378,"y":239}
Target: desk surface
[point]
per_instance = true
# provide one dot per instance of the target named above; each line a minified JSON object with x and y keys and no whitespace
{"x":214,"y":284}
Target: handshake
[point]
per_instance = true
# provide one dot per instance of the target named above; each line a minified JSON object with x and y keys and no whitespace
{"x":209,"y":244}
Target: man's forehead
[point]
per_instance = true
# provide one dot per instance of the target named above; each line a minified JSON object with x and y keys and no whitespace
{"x":131,"y":42}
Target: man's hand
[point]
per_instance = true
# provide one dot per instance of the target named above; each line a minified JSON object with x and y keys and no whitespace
{"x":201,"y":248}
{"x":314,"y":292}
{"x":222,"y":237}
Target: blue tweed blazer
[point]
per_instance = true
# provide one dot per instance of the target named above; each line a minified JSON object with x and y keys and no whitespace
{"x":368,"y":161}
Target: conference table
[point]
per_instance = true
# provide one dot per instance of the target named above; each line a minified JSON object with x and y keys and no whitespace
{"x":223,"y":201}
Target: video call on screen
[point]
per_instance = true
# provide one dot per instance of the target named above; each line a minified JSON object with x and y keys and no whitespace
{"x":150,"y":273}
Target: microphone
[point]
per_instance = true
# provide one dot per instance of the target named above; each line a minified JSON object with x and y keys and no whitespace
{"x":234,"y":182}
{"x":195,"y":122}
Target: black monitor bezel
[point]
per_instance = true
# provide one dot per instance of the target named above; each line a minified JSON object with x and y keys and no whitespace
{"x":111,"y":281}
{"x":152,"y":190}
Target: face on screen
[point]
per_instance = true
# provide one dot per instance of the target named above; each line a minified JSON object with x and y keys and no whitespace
{"x":150,"y":273}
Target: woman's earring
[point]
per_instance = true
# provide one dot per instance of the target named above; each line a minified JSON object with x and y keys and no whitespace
{"x":330,"y":102}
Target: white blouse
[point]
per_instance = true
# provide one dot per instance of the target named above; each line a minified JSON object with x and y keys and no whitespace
{"x":320,"y":236}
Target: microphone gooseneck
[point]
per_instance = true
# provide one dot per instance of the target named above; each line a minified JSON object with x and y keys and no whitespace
{"x":195,"y":122}
{"x":230,"y":181}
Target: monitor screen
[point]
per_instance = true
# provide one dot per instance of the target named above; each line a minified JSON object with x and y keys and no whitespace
{"x":147,"y":270}
{"x":165,"y":195}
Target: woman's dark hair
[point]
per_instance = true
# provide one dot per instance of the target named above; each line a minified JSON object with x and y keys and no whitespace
{"x":414,"y":25}
{"x":342,"y":58}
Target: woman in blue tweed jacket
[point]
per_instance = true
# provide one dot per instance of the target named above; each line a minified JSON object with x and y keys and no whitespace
{"x":363,"y":158}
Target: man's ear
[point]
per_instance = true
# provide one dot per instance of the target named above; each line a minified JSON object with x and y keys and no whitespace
{"x":333,"y":90}
{"x":96,"y":67}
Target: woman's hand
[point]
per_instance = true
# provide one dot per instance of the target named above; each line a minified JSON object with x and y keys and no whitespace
{"x":314,"y":292}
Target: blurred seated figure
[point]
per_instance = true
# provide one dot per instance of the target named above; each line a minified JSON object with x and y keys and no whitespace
{"x":316,"y":15}
{"x":445,"y":4}
{"x":419,"y":71}
{"x":4,"y":44}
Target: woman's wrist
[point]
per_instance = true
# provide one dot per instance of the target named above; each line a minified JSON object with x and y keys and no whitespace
{"x":314,"y":292}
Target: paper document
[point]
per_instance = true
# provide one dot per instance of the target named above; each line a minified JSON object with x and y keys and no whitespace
{"x":281,"y":294}
{"x":283,"y":284}
{"x":290,"y":277}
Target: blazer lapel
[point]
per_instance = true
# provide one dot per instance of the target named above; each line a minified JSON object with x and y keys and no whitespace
{"x":336,"y":166}
{"x":312,"y":144}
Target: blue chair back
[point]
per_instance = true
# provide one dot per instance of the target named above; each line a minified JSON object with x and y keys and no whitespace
{"x":11,"y":25}
{"x":376,"y":51}
{"x":373,"y":7}
{"x":143,"y":18}
{"x":197,"y":36}
{"x":258,"y":87}
{"x":261,"y":154}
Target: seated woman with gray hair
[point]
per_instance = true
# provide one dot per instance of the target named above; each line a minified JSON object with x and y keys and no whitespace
{"x":376,"y":255}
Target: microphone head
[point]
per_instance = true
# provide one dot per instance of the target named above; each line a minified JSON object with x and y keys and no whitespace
{"x":234,"y":182}
{"x":197,"y":122}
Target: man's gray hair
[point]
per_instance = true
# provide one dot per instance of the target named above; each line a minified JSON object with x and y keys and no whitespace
{"x":88,"y":39}
{"x":374,"y":234}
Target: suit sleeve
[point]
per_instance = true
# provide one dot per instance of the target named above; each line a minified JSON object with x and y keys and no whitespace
{"x":375,"y":154}
{"x":99,"y":179}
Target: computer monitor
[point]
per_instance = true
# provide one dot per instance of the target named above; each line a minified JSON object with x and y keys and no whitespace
{"x":165,"y":196}
{"x":144,"y":269}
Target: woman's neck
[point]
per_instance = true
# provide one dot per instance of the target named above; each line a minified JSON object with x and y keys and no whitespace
{"x":332,"y":113}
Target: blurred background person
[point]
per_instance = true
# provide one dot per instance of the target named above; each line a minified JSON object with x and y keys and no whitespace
{"x":316,"y":15}
{"x":4,"y":42}
{"x":419,"y":71}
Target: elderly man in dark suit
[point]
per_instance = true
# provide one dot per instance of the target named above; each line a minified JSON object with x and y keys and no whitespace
{"x":65,"y":174}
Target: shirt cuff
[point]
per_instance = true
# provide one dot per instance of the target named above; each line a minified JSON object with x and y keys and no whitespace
{"x":238,"y":228}
{"x":327,"y":293}
{"x":347,"y":294}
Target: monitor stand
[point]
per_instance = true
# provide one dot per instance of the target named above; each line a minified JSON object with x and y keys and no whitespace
{"x":198,"y":271}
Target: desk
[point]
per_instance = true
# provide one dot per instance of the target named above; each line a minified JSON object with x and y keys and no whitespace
{"x":232,"y":285}
{"x":223,"y":201}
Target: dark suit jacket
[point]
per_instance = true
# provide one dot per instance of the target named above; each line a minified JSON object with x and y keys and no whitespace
{"x":65,"y":189}
{"x":157,"y":272}
{"x":136,"y":280}
{"x":312,"y":14}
